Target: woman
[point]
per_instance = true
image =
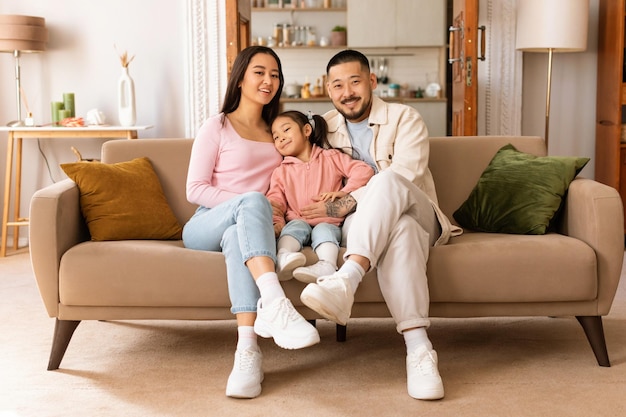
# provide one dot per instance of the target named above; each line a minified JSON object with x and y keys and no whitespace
{"x":231,"y":163}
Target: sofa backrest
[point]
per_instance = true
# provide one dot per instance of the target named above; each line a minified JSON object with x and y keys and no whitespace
{"x":456,"y":163}
{"x":170,"y":159}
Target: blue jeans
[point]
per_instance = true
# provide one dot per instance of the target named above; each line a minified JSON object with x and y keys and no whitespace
{"x":315,"y":236}
{"x":241,"y":228}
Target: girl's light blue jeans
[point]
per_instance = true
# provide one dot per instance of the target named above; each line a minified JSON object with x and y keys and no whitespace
{"x":241,"y":228}
{"x":313,"y":235}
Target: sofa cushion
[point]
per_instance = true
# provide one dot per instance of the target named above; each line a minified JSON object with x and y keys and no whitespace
{"x":518,"y":192}
{"x":123,"y":200}
{"x":478,"y":267}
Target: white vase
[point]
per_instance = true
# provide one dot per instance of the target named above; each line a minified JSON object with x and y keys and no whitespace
{"x":126,"y":99}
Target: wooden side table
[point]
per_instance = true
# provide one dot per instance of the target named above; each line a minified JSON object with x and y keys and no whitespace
{"x":15,"y":136}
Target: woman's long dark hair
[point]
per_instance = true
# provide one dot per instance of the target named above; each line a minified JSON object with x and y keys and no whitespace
{"x":319,"y":135}
{"x":233,"y":92}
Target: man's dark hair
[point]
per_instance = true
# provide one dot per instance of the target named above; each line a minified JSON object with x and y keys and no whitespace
{"x":348,"y":55}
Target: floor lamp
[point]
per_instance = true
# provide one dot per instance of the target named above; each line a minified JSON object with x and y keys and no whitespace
{"x":21,"y":34}
{"x":551,"y":26}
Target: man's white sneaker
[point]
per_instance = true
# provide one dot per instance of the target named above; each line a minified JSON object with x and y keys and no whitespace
{"x":246,"y":377}
{"x":287,"y":262}
{"x":331,"y":297}
{"x":281,"y":321}
{"x":311,"y":273}
{"x":423,"y":379}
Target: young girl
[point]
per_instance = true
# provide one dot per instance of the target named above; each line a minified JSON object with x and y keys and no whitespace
{"x":231,"y":163}
{"x":309,"y":173}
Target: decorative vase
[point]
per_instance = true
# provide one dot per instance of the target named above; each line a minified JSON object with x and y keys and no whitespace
{"x":126,"y":99}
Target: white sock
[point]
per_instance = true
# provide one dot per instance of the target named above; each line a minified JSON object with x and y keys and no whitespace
{"x":270,"y":288}
{"x":246,"y":338}
{"x":414,"y":338}
{"x":355,"y":273}
{"x":327,"y":252}
{"x":288,"y":244}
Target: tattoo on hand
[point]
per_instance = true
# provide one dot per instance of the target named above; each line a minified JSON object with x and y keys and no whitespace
{"x":341,"y":207}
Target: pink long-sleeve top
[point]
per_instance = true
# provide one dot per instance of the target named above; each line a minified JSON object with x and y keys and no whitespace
{"x":295,"y":183}
{"x":224,"y":165}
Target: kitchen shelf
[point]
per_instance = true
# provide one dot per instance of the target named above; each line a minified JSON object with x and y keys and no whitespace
{"x":387,"y":99}
{"x":299,"y":9}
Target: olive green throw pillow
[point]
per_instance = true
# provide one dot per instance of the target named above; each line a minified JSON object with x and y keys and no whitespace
{"x":518,"y":192}
{"x":123,"y":201}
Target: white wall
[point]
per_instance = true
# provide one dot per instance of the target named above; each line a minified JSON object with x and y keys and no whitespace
{"x":573,"y":97}
{"x":81,"y":59}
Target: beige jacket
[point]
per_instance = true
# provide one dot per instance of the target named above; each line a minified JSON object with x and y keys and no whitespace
{"x":400,"y":143}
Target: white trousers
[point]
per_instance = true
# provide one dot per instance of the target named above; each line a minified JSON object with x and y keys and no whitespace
{"x":394,"y":226}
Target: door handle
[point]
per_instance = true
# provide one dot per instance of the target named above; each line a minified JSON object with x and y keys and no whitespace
{"x":452,"y":44}
{"x":483,"y":33}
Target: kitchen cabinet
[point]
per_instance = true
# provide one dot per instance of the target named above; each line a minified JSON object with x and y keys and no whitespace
{"x":396,"y":23}
{"x":610,"y":163}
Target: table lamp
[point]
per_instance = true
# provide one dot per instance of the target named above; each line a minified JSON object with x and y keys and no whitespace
{"x":21,"y":34}
{"x":551,"y":26}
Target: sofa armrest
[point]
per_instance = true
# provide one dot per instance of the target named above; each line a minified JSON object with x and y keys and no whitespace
{"x":594,"y":214}
{"x":56,"y":224}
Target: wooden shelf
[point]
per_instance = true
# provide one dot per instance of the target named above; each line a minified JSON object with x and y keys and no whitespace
{"x":298,"y":9}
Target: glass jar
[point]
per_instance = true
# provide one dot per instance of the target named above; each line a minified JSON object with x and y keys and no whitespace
{"x":287,"y":34}
{"x":394,"y":90}
{"x":311,"y":38}
{"x":278,"y":34}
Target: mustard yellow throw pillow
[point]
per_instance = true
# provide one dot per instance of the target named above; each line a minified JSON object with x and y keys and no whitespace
{"x":123,"y":201}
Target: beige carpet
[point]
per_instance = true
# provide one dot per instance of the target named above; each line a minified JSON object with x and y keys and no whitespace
{"x":491,"y":367}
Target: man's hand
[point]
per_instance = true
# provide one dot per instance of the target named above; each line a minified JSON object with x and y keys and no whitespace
{"x":337,"y":208}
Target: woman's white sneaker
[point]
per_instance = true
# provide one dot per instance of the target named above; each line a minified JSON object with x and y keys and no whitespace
{"x":423,"y":379}
{"x":311,"y":273}
{"x":281,"y":321}
{"x":246,"y":377}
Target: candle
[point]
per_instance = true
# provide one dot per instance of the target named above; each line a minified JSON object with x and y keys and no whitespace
{"x":55,"y":107}
{"x":64,"y":114}
{"x":68,"y":103}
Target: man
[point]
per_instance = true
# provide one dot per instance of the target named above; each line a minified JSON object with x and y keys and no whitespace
{"x":396,"y":220}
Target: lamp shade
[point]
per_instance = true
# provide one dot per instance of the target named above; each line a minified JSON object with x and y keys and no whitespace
{"x":22,"y":33}
{"x":560,"y":25}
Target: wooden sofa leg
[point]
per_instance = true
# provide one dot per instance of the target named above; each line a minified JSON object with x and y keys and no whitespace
{"x":341,"y":333}
{"x":63,"y":331}
{"x":592,"y":325}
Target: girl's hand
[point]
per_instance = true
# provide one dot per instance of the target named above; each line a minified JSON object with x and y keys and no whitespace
{"x":277,"y":229}
{"x":276,"y":209}
{"x":331,"y":196}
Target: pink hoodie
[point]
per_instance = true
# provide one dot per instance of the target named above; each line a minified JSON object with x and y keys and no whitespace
{"x":294,"y":183}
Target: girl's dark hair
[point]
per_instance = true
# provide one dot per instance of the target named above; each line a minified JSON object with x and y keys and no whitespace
{"x":349,"y":55}
{"x":233,"y":92}
{"x":319,"y":135}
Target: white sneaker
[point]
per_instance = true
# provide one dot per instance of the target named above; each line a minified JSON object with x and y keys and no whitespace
{"x":331,"y":297}
{"x":281,"y":321}
{"x":311,"y":273}
{"x":287,"y":262}
{"x":423,"y":379}
{"x":246,"y":377}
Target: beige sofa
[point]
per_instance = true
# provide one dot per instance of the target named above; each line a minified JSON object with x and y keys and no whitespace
{"x":572,"y":273}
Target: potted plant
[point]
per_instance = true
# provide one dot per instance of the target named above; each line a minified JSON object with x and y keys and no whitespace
{"x":338,"y":36}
